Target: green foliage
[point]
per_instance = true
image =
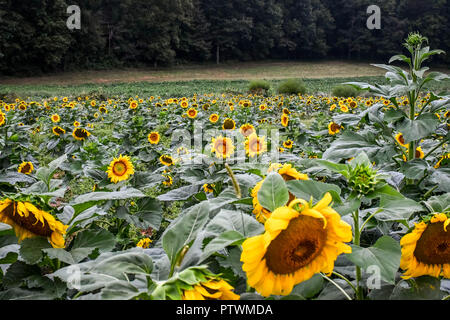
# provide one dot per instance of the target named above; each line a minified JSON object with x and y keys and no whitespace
{"x":292,"y":86}
{"x":258,"y":86}
{"x":344,"y":91}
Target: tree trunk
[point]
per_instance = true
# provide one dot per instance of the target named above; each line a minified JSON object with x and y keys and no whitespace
{"x":217,"y":54}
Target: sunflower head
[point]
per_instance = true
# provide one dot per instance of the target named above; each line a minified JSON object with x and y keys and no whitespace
{"x":154,"y":137}
{"x":288,"y":144}
{"x":120,"y":169}
{"x":229,"y":124}
{"x":401,"y":140}
{"x":192,"y":113}
{"x":333,"y":128}
{"x":166,"y":160}
{"x":211,"y":289}
{"x":300,"y":240}
{"x":214,"y":118}
{"x":426,"y":250}
{"x":28,"y":222}
{"x":55,"y":118}
{"x":247,"y":129}
{"x":144,"y":243}
{"x":363,"y":178}
{"x":80,"y":134}
{"x":222,"y":147}
{"x":58,"y":131}
{"x":25,"y":168}
{"x":254,"y":145}
{"x":284,"y":120}
{"x":208,"y":187}
{"x":2,"y":118}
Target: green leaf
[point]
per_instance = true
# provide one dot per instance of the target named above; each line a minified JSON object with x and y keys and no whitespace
{"x":182,"y":193}
{"x":226,"y":239}
{"x":31,"y":249}
{"x":422,"y":288}
{"x":385,"y":254}
{"x":273,"y":193}
{"x":101,"y":239}
{"x":60,"y":254}
{"x":45,"y":173}
{"x":129,"y":193}
{"x":184,"y":230}
{"x":394,"y":209}
{"x":439,"y":203}
{"x":13,"y":178}
{"x":227,"y":220}
{"x":349,"y":144}
{"x":414,"y":169}
{"x":309,"y":288}
{"x":419,"y":128}
{"x":305,"y":189}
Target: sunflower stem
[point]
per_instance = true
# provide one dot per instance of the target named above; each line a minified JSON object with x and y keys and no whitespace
{"x":434,"y":149}
{"x":346,"y":280}
{"x":236,"y":186}
{"x":337,"y":286}
{"x":356,"y":241}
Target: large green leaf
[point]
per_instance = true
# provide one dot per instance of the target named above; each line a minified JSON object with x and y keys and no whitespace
{"x":414,"y":169}
{"x":102,"y":240}
{"x":224,"y":240}
{"x":305,"y":189}
{"x":419,"y":128}
{"x":348,"y":145}
{"x":422,"y":288}
{"x":230,"y":220}
{"x":395,"y":209}
{"x":129,"y":193}
{"x":184,"y":230}
{"x":439,"y":203}
{"x":13,"y":178}
{"x":31,"y":249}
{"x":273,"y":193}
{"x":385,"y":254}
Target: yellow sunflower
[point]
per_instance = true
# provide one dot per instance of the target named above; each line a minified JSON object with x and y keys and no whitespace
{"x":120,"y":169}
{"x":144,"y":243}
{"x":426,"y":250}
{"x":254,"y":145}
{"x":223,"y":147}
{"x":214,"y":118}
{"x":2,"y":118}
{"x":58,"y":131}
{"x":401,"y":140}
{"x":229,"y":124}
{"x":134,"y":104}
{"x":76,"y":124}
{"x":296,"y":245}
{"x":154,"y":137}
{"x":247,"y":129}
{"x":25,"y":168}
{"x":29,"y":222}
{"x":333,"y":128}
{"x":288,"y":144}
{"x":208,"y":188}
{"x":166,"y":160}
{"x":284,"y":120}
{"x":168,"y":181}
{"x":419,"y":153}
{"x":56,"y":118}
{"x":192,"y":113}
{"x":213,"y":289}
{"x":80,"y":134}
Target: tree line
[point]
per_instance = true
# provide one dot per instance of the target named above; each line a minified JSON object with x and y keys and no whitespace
{"x":34,"y":37}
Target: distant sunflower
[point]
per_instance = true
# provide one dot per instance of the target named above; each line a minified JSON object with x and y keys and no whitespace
{"x":134,"y":104}
{"x":29,"y":222}
{"x":297,"y":244}
{"x":2,"y":118}
{"x":426,"y":250}
{"x":192,"y":113}
{"x":80,"y":134}
{"x":214,"y":118}
{"x":247,"y":129}
{"x":166,"y":160}
{"x":76,"y":124}
{"x":229,"y":124}
{"x":144,"y":243}
{"x":343,"y":108}
{"x":254,"y":145}
{"x":25,"y":168}
{"x":120,"y":169}
{"x":168,"y":181}
{"x":401,"y":140}
{"x":55,"y":118}
{"x":288,"y":144}
{"x":213,"y":289}
{"x":154,"y":137}
{"x":284,"y":120}
{"x":222,"y":147}
{"x":208,"y":188}
{"x":333,"y":128}
{"x":58,"y":131}
{"x":419,"y":153}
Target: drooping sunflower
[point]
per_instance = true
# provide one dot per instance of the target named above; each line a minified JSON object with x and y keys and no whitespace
{"x":401,"y":140}
{"x":58,"y":131}
{"x":80,"y":134}
{"x":247,"y":129}
{"x":212,"y":289}
{"x":254,"y":145}
{"x":284,"y":120}
{"x":120,"y":169}
{"x":426,"y":250}
{"x":333,"y":128}
{"x":56,"y":118}
{"x":26,"y":168}
{"x":154,"y":137}
{"x":192,"y":113}
{"x":297,"y":244}
{"x":166,"y":160}
{"x":214,"y":118}
{"x":223,"y":147}
{"x":29,"y":222}
{"x":229,"y":124}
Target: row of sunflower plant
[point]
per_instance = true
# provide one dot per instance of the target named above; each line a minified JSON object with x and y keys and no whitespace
{"x":230,"y":196}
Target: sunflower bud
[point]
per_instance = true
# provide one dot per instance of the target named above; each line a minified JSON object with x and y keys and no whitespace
{"x":363,"y":179}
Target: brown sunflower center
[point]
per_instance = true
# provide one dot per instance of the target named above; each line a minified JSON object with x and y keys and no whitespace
{"x":433,"y":247}
{"x":26,"y":168}
{"x":167,"y":160}
{"x":401,"y":139}
{"x":228,"y":124}
{"x":154,"y":137}
{"x":29,"y":223}
{"x":81,"y":133}
{"x":255,"y":145}
{"x":120,"y":168}
{"x":335,"y":127}
{"x":296,"y":246}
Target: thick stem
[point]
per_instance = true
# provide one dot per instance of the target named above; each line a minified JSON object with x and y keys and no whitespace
{"x":356,"y":241}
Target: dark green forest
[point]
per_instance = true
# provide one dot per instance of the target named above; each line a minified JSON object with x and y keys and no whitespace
{"x":34,"y":37}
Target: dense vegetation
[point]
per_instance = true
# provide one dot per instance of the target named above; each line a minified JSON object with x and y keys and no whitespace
{"x":34,"y":37}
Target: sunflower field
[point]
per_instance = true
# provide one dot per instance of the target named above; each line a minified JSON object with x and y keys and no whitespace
{"x":228,"y":197}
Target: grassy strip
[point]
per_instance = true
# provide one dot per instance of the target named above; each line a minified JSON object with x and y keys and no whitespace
{"x":178,"y":88}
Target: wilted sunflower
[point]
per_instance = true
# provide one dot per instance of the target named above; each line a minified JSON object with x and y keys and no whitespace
{"x":254,"y":145}
{"x":284,"y":120}
{"x":223,"y":147}
{"x":296,"y":245}
{"x":25,"y":168}
{"x":58,"y":131}
{"x":154,"y":137}
{"x":401,"y":140}
{"x":247,"y":129}
{"x":29,"y":222}
{"x":56,"y":118}
{"x":426,"y":250}
{"x":166,"y":160}
{"x":214,"y":118}
{"x":214,"y":289}
{"x":192,"y":113}
{"x":80,"y":134}
{"x":229,"y":124}
{"x":120,"y":169}
{"x":333,"y":128}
